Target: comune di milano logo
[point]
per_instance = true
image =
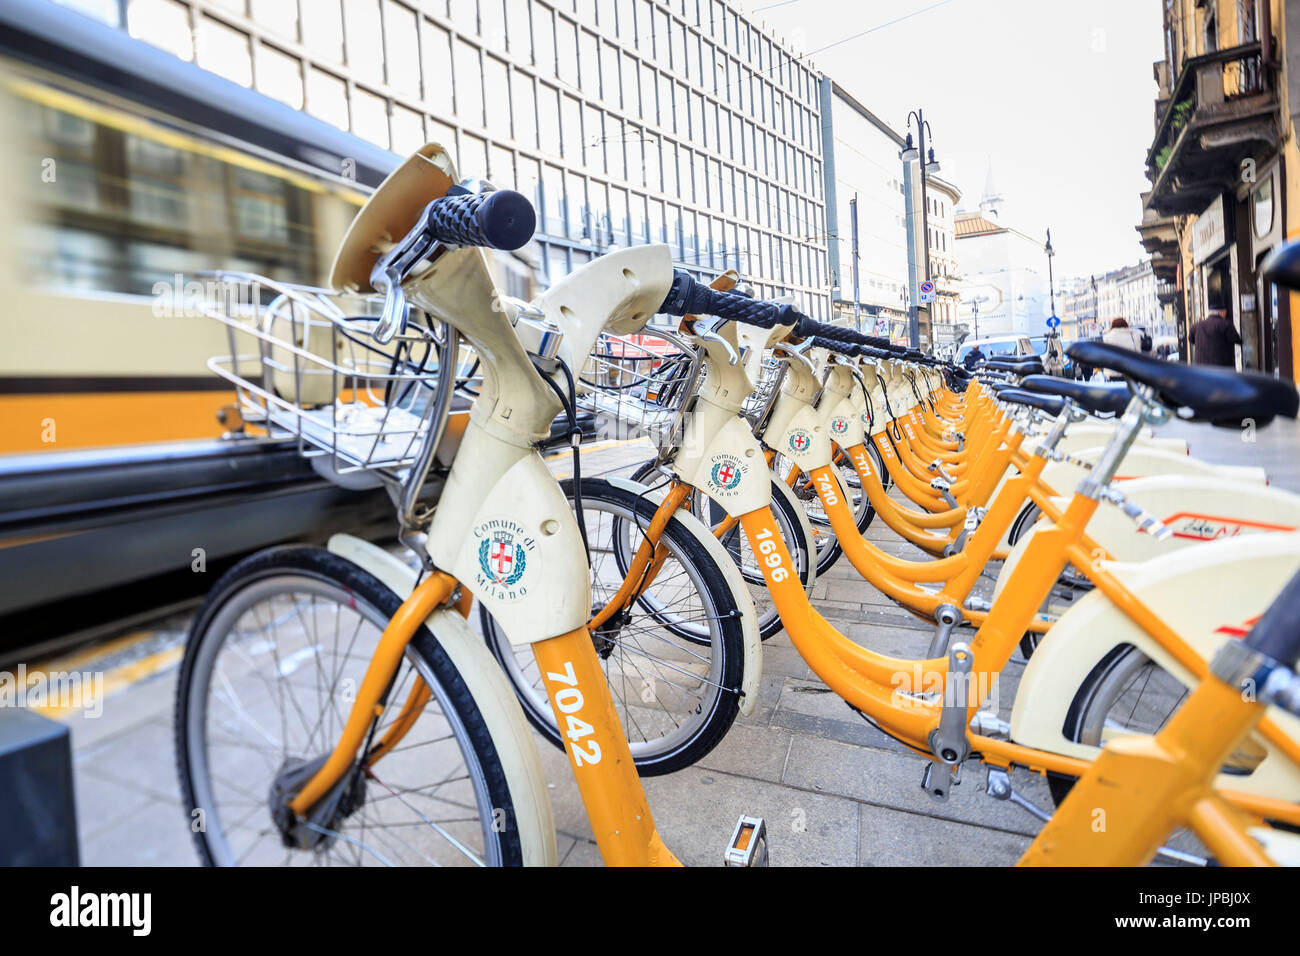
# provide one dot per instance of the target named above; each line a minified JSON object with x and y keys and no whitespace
{"x":75,"y":908}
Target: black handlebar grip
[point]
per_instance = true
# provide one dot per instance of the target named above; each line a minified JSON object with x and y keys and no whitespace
{"x":840,"y":333}
{"x":502,"y":219}
{"x":1276,"y":633}
{"x":688,"y":297}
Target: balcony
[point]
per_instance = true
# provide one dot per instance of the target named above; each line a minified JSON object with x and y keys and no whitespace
{"x":1223,"y":110}
{"x":1159,"y":237}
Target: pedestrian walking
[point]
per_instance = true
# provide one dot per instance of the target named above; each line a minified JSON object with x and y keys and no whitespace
{"x":1214,"y":338}
{"x":1120,"y":334}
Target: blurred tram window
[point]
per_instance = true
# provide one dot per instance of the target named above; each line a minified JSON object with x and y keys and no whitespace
{"x":136,"y":203}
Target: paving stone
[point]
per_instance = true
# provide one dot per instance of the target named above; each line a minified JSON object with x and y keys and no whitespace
{"x":697,"y":809}
{"x":758,"y":752}
{"x":893,"y":838}
{"x":892,"y":779}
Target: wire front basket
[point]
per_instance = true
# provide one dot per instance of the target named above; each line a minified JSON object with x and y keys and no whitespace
{"x":640,"y":385}
{"x":304,"y":366}
{"x":756,"y":407}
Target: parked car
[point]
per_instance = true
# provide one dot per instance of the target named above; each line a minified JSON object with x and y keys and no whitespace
{"x":997,"y":345}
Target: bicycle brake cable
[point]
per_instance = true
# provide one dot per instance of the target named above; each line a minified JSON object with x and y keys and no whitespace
{"x":570,"y":402}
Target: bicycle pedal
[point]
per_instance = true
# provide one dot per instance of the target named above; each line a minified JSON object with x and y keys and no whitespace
{"x":939,"y":779}
{"x":748,"y":846}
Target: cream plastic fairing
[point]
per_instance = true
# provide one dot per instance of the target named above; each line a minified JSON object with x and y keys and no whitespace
{"x":1196,"y":509}
{"x":1208,"y":596}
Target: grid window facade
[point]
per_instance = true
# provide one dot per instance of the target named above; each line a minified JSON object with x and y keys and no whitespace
{"x":626,"y":121}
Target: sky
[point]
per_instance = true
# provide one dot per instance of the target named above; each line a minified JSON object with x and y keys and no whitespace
{"x":1058,"y":96}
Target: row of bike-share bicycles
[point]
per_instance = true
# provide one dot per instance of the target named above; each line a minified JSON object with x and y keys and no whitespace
{"x":336,"y":705}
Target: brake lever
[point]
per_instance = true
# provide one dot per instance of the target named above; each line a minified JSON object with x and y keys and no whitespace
{"x":797,"y":352}
{"x":388,"y":272}
{"x":706,"y":329}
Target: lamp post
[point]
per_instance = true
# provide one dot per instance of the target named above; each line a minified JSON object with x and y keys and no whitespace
{"x":1051,"y":286}
{"x":928,"y":165}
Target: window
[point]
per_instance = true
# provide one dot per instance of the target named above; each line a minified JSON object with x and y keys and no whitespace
{"x":163,"y":23}
{"x":322,"y":28}
{"x":365,"y":42}
{"x":649,"y":110}
{"x":589,"y":62}
{"x":575,"y":201}
{"x":524,"y":110}
{"x":618,"y":214}
{"x":633,"y":143}
{"x":650,"y":152}
{"x":496,"y":95}
{"x":571,"y":128}
{"x":519,"y":29}
{"x":593,"y":149}
{"x":225,"y":52}
{"x":469,"y":84}
{"x":501,"y":168}
{"x":370,"y":117}
{"x":544,"y":40}
{"x":402,"y":48}
{"x":279,"y":75}
{"x":327,"y":98}
{"x":566,"y":51}
{"x":630,"y":104}
{"x":609,"y":82}
{"x":669,"y":168}
{"x":548,"y":112}
{"x":472,"y":159}
{"x":438,"y":84}
{"x":492,"y":24}
{"x":280,"y":18}
{"x":552,"y":211}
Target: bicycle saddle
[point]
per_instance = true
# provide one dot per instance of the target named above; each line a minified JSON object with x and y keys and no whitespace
{"x":1217,"y":395}
{"x":1052,"y":404}
{"x":1110,"y":398}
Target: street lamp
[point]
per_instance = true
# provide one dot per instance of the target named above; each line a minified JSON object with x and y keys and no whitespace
{"x":1051,"y":287}
{"x":929,"y":166}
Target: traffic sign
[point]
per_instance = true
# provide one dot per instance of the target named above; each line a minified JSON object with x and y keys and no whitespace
{"x":927,"y":291}
{"x":1053,"y":321}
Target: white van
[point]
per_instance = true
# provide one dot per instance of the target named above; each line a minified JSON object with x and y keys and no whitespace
{"x":997,"y":345}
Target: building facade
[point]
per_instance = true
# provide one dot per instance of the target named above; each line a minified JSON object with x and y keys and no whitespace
{"x":945,"y":326}
{"x":626,"y":121}
{"x":1221,"y":164}
{"x":1004,"y":272}
{"x":1130,"y":293}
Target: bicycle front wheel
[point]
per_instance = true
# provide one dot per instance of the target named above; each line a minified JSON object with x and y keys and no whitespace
{"x":674,"y":658}
{"x":273,"y":661}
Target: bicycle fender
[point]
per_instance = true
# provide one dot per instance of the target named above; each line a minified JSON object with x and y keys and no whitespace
{"x":1207,"y":596}
{"x":511,"y":734}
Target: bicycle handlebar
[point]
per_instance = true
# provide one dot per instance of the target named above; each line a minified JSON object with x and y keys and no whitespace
{"x":689,"y":297}
{"x":502,"y":219}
